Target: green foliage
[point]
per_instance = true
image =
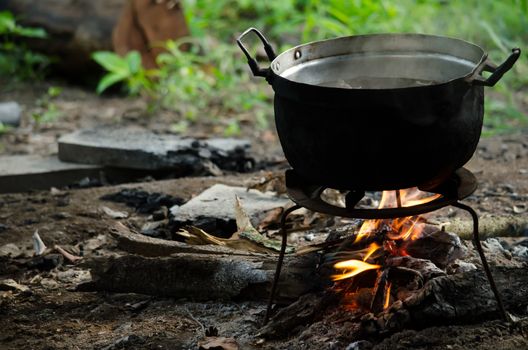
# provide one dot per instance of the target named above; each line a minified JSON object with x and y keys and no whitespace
{"x":211,"y":81}
{"x":4,"y":128}
{"x":49,"y":111}
{"x":16,"y":60}
{"x":126,"y":69}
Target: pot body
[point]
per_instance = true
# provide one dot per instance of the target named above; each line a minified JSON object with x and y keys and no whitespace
{"x":378,"y":139}
{"x":379,"y":112}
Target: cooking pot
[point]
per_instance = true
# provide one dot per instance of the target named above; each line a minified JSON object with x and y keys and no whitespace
{"x":378,"y":112}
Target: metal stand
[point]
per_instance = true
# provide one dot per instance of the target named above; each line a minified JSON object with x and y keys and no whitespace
{"x":284,"y":234}
{"x":308,"y":196}
{"x":476,"y":241}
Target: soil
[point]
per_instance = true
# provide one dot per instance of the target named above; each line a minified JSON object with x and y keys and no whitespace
{"x":53,"y":315}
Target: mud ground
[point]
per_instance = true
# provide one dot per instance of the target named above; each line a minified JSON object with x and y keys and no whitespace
{"x":52,"y":315}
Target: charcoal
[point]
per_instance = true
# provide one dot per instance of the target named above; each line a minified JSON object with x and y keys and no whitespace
{"x":143,"y":201}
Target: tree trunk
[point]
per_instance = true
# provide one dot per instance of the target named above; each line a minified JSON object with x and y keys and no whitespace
{"x":77,"y":28}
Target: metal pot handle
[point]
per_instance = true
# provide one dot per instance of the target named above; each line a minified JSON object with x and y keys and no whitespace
{"x":496,"y":72}
{"x":253,"y":64}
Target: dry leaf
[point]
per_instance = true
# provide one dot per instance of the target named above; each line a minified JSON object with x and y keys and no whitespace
{"x":246,"y":238}
{"x":272,"y":218}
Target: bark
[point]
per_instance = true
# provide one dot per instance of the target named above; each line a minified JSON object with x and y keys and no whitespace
{"x":494,"y":226}
{"x":300,"y":313}
{"x":136,"y":243}
{"x":203,"y":276}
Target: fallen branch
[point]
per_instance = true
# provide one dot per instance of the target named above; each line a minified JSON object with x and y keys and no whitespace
{"x":203,"y":276}
{"x":490,"y":226}
{"x":136,"y":243}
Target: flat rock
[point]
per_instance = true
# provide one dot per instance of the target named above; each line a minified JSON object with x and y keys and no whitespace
{"x":140,"y":149}
{"x":31,"y":172}
{"x":216,"y":205}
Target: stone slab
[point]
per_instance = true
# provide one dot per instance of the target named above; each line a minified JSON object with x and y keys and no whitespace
{"x":22,"y":173}
{"x":214,"y":209}
{"x":140,"y":149}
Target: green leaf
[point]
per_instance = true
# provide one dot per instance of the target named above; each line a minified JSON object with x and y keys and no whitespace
{"x":109,"y":80}
{"x":30,"y":32}
{"x":7,"y":22}
{"x":133,"y":59}
{"x":54,"y":91}
{"x":112,"y":62}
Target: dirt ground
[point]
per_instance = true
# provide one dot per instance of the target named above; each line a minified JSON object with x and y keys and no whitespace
{"x":51,"y":314}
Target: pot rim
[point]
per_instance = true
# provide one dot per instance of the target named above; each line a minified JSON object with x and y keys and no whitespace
{"x":294,"y":56}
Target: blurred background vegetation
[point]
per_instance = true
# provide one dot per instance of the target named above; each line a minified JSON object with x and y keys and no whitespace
{"x":211,"y":81}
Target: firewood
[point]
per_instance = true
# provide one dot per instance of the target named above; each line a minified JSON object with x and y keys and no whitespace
{"x":490,"y":226}
{"x":203,"y":276}
{"x":300,"y":313}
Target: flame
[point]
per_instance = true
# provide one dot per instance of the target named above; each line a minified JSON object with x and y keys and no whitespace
{"x":386,"y":304}
{"x":373,"y":247}
{"x":352,"y":268}
{"x":400,"y":228}
{"x":406,"y":228}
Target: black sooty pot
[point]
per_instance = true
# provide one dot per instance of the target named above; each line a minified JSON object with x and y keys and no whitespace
{"x":379,"y":112}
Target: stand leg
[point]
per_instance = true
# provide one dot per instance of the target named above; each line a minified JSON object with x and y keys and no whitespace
{"x":476,"y":241}
{"x":284,"y":234}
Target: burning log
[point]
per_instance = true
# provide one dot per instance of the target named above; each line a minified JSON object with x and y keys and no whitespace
{"x":450,"y":299}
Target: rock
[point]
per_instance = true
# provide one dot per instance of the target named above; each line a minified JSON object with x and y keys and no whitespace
{"x":10,"y":250}
{"x":114,"y":214}
{"x":213,"y":210}
{"x":31,"y":172}
{"x":10,"y":113}
{"x":46,"y":262}
{"x":154,"y":228}
{"x":49,"y":283}
{"x":137,"y":149}
{"x":360,"y":345}
{"x":93,"y":244}
{"x":10,"y":284}
{"x":460,"y":266}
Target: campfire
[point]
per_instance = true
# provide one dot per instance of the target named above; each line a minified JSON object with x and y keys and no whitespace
{"x":395,"y":256}
{"x":371,"y":249}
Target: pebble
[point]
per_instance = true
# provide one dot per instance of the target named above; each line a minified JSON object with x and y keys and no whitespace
{"x":360,"y":345}
{"x":10,"y":250}
{"x":10,"y":113}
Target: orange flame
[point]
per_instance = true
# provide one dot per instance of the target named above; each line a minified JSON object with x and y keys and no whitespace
{"x":373,"y":247}
{"x":386,"y":304}
{"x":352,"y":268}
{"x":398,"y":229}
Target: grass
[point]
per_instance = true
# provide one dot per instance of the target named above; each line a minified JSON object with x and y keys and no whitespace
{"x":213,"y":78}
